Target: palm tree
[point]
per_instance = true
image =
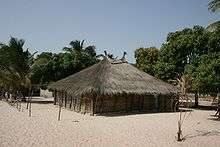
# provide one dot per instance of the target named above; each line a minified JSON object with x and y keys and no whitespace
{"x":214,"y":6}
{"x":15,"y":65}
{"x":82,"y":56}
{"x":78,"y":47}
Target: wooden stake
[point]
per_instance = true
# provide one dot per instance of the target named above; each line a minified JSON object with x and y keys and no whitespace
{"x":59,"y":113}
{"x":92,"y":107}
{"x":60,"y":106}
{"x":30,"y":104}
{"x":179,"y":133}
{"x":126,"y":102}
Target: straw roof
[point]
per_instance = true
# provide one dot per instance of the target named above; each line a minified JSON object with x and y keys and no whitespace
{"x":110,"y":77}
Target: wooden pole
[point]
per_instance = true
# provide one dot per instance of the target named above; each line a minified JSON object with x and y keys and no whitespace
{"x":101,"y":105}
{"x":60,"y":106}
{"x":131,"y":102}
{"x":179,"y":133}
{"x":139,"y":103}
{"x":85,"y":104}
{"x":196,"y":100}
{"x":65,"y":98}
{"x":115,"y":102}
{"x":80,"y":104}
{"x":27,"y":103}
{"x":16,"y":102}
{"x":92,"y":107}
{"x":71,"y":101}
{"x":74,"y":105}
{"x":59,"y":112}
{"x":30,"y":104}
{"x":55,"y":97}
{"x":28,"y":100}
{"x":126,"y":102}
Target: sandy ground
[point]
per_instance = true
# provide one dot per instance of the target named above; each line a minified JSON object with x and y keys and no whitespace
{"x":156,"y":129}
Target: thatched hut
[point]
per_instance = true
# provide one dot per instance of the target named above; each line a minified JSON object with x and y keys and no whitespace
{"x":113,"y":86}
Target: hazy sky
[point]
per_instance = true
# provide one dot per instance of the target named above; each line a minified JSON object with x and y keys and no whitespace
{"x":112,"y":25}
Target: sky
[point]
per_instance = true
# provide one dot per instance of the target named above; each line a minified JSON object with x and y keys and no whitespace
{"x":112,"y":25}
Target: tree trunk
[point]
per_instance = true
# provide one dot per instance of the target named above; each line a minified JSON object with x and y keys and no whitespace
{"x":196,"y":100}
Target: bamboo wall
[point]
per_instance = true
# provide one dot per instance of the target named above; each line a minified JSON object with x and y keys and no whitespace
{"x":118,"y":103}
{"x":123,"y":103}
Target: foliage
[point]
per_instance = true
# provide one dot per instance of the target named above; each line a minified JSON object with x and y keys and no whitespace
{"x":146,"y":59}
{"x":15,"y":65}
{"x":82,"y":57}
{"x":207,"y":74}
{"x":181,"y":48}
{"x":214,"y":5}
{"x":49,"y":67}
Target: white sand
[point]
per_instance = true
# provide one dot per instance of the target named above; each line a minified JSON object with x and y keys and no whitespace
{"x":158,"y":129}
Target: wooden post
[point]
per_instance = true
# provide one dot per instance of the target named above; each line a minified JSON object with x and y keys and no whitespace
{"x":126,"y":102}
{"x":80,"y":103}
{"x":30,"y":103}
{"x":60,"y":106}
{"x":55,"y":97}
{"x":156,"y":102}
{"x":85,"y":100}
{"x":30,"y":108}
{"x":115,"y":102}
{"x":131,"y":105}
{"x":92,"y":107}
{"x":196,"y":100}
{"x":27,"y":103}
{"x":16,"y":101}
{"x":139,"y":103}
{"x":74,"y":104}
{"x":62,"y":96}
{"x":95,"y":105}
{"x":20,"y":105}
{"x":101,"y":105}
{"x":179,"y":133}
{"x":59,"y":112}
{"x":65,"y":99}
{"x":71,"y":101}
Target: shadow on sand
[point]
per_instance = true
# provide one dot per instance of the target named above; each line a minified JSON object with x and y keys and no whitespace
{"x":118,"y":114}
{"x":202,"y":133}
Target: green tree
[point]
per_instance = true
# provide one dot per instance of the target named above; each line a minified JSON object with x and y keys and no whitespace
{"x":182,"y":48}
{"x":180,"y":55}
{"x":82,"y":56}
{"x":15,"y":65}
{"x":49,"y":67}
{"x":146,"y":59}
{"x":207,"y":74}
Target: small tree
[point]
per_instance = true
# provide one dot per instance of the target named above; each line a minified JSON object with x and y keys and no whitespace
{"x":184,"y":83}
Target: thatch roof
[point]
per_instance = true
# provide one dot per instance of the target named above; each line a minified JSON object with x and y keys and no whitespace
{"x":110,"y":77}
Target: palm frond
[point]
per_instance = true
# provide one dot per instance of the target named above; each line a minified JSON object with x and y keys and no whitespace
{"x":214,"y":5}
{"x":214,"y":26}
